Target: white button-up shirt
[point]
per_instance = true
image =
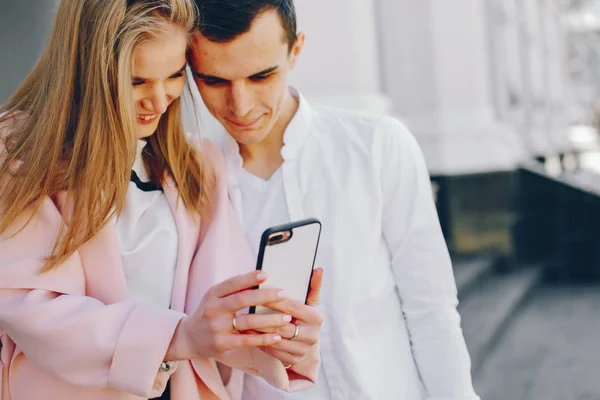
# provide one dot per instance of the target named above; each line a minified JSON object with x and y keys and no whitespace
{"x":391,"y":330}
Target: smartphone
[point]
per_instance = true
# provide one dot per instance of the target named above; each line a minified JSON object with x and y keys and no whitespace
{"x":287,"y":255}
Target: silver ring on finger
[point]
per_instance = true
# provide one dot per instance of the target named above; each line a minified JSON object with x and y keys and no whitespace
{"x":234,"y":323}
{"x":296,"y":333}
{"x":288,"y":366}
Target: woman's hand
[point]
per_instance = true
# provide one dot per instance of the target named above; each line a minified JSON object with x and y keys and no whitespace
{"x":300,"y":336}
{"x":210,"y":331}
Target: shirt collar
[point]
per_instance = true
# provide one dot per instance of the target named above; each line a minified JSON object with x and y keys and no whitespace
{"x":298,"y":129}
{"x":138,"y":165}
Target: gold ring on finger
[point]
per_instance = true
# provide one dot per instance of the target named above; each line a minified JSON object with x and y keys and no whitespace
{"x":234,"y":323}
{"x":296,"y":333}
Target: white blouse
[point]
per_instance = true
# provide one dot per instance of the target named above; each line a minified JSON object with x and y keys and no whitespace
{"x":148,"y":239}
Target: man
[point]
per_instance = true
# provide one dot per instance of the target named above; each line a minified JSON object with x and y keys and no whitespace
{"x":391,"y":328}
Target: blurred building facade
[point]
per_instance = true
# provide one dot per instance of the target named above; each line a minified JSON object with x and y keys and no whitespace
{"x":482,"y":84}
{"x":485,"y":86}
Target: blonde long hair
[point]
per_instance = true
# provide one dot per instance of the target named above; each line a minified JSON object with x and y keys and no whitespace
{"x":70,"y":126}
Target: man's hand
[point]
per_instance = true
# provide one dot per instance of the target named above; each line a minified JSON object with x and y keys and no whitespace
{"x":300,"y":336}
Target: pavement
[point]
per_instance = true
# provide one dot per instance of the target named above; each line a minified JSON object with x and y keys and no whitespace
{"x":550,"y":350}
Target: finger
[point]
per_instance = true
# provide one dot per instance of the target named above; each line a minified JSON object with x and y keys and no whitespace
{"x":248,"y":323}
{"x":238,"y":283}
{"x":286,"y":331}
{"x":285,"y":358}
{"x":301,"y":312}
{"x":316,"y":282}
{"x":292,"y":347}
{"x":231,"y":341}
{"x":248,"y":298}
{"x":262,"y":322}
{"x":306,"y":333}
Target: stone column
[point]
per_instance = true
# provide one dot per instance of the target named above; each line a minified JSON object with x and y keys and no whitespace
{"x":437,"y":70}
{"x":558,"y":97}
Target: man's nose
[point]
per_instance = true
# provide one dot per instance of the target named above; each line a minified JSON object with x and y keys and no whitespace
{"x":241,"y":101}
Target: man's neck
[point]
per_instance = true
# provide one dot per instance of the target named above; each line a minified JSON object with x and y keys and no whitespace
{"x":264,"y":158}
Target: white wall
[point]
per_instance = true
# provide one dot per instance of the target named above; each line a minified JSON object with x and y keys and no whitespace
{"x":340,"y":64}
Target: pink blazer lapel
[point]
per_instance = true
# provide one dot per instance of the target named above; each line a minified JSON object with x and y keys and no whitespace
{"x":188,"y":231}
{"x":222,"y":252}
{"x":101,"y":262}
{"x":103,"y":268}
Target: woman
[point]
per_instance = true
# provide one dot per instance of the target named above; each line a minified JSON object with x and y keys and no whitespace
{"x":113,"y":228}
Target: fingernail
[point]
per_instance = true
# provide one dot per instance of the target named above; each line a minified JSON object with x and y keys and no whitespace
{"x":277,"y":338}
{"x":281,"y":294}
{"x":261,"y":276}
{"x":287,"y":318}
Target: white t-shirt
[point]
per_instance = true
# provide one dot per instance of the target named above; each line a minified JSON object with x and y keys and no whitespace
{"x":263,"y":206}
{"x":148,"y":241}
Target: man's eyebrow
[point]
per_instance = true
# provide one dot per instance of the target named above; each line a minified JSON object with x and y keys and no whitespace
{"x":182,"y":69}
{"x":216,"y":78}
{"x":265,"y":72}
{"x":207,"y":77}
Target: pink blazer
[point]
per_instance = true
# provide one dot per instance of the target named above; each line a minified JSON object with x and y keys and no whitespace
{"x":73,"y":334}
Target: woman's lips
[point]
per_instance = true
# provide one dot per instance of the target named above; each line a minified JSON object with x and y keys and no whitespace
{"x":146,"y":119}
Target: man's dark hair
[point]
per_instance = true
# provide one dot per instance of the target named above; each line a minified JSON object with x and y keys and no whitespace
{"x":222,"y":21}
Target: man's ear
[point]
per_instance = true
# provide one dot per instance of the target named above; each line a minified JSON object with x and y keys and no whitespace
{"x":297,"y":49}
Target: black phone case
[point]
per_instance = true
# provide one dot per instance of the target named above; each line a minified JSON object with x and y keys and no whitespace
{"x":291,"y":226}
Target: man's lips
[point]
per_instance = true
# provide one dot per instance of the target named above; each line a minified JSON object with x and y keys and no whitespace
{"x":244,"y":124}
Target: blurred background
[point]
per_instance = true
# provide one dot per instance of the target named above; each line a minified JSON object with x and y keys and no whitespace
{"x":504,"y":98}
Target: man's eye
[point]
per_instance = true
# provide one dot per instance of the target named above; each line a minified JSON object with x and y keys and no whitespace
{"x":261,"y":78}
{"x":211,"y":82}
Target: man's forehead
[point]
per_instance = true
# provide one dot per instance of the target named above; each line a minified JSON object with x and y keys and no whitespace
{"x":237,"y":59}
